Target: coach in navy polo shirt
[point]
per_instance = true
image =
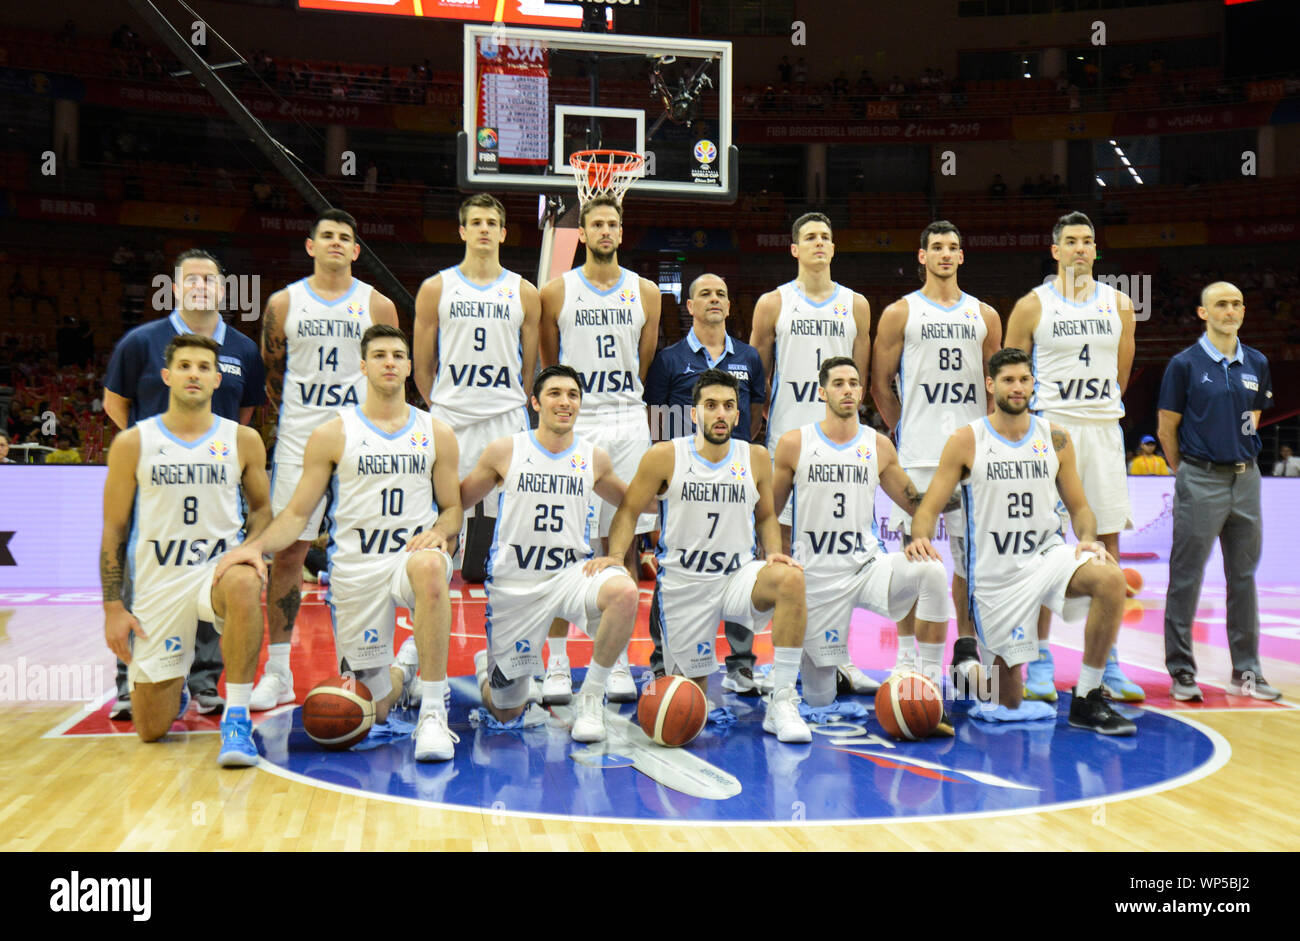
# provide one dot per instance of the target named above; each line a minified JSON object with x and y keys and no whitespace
{"x":1210,"y":401}
{"x":668,"y":387}
{"x":134,"y":390}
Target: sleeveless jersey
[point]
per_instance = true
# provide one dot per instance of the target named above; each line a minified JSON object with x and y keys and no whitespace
{"x":381,"y":491}
{"x":806,"y":334}
{"x":480,"y":353}
{"x":1076,"y":355}
{"x":833,"y":524}
{"x":600,"y":336}
{"x":940,"y":376}
{"x":323,"y":371}
{"x":187,"y":508}
{"x":542,"y":522}
{"x":706,"y":516}
{"x":1010,"y":502}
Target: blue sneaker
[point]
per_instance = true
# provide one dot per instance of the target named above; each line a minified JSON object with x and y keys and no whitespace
{"x":237,"y":747}
{"x":185,"y":701}
{"x":1118,"y":686}
{"x":1040,"y":684}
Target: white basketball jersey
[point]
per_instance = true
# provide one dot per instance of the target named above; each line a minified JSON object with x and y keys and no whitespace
{"x":323,"y":372}
{"x":480,"y":353}
{"x":940,"y":376}
{"x":1010,"y":502}
{"x":833,"y":525}
{"x":381,"y":494}
{"x":542,"y":520}
{"x":706,"y":516}
{"x":186,"y":504}
{"x":600,"y":336}
{"x":806,"y":334}
{"x":1076,"y":355}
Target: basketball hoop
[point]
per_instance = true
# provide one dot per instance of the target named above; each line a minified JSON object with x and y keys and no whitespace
{"x":605,"y":172}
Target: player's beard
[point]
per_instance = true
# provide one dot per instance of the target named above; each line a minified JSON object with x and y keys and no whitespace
{"x":707,"y":431}
{"x":840,"y":411}
{"x":1006,"y":406}
{"x":600,"y":257}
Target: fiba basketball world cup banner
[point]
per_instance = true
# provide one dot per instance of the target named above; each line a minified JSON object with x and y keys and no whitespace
{"x":512,"y":98}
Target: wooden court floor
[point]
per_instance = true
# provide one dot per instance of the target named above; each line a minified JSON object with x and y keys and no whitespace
{"x":88,"y":793}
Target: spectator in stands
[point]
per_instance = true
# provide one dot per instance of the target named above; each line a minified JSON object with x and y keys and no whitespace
{"x":997,"y":188}
{"x":1148,"y":463}
{"x":64,"y":452}
{"x":4,"y":448}
{"x":784,"y":70}
{"x":800,"y":71}
{"x":1288,"y":465}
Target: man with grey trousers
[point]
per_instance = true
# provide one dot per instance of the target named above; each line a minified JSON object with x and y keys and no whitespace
{"x":1210,"y":401}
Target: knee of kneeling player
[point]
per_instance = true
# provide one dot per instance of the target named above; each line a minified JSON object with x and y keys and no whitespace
{"x":241,"y":586}
{"x":427,"y":572}
{"x":624,"y":596}
{"x":790,"y":581}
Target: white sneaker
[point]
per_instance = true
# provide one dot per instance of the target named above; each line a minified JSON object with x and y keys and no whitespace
{"x":434,"y":741}
{"x":589,"y":721}
{"x":557,"y":687}
{"x":408,"y":660}
{"x":783,"y":720}
{"x":619,"y":687}
{"x":856,"y":681}
{"x":273,"y":689}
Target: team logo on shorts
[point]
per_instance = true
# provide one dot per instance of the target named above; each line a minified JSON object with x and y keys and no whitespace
{"x":832,"y":637}
{"x":738,"y":469}
{"x":863,"y":452}
{"x":219,"y":449}
{"x":356,"y":310}
{"x":172,"y":645}
{"x":706,"y":151}
{"x":627,"y":295}
{"x":841,"y":309}
{"x":419,"y":440}
{"x":370,"y":636}
{"x":1017,"y":633}
{"x":523,"y":646}
{"x":577,"y":462}
{"x":1039,"y":447}
{"x":704,"y":650}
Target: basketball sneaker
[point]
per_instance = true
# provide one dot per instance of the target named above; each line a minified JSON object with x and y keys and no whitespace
{"x":557,"y":686}
{"x":121,"y":710}
{"x":1092,"y":712}
{"x":782,"y":718}
{"x":589,"y":718}
{"x":1256,"y":687}
{"x":968,"y":675}
{"x":408,"y":660}
{"x":741,"y":682}
{"x":1184,"y":688}
{"x":1116,"y":684}
{"x":849,"y":679}
{"x":208,"y":702}
{"x":434,"y":741}
{"x":1040,"y":683}
{"x":185,"y":701}
{"x":273,"y":689}
{"x":237,"y":747}
{"x":620,"y":686}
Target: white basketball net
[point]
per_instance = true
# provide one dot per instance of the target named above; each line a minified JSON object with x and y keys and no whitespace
{"x":605,"y":172}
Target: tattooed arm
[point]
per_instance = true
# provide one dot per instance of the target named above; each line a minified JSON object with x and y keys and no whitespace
{"x":275,"y":347}
{"x":895,"y":482}
{"x":119,"y":497}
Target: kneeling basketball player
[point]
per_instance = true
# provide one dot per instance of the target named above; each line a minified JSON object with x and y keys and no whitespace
{"x":1016,"y":556}
{"x":395,"y":511}
{"x":540,"y":565}
{"x":173,"y":490}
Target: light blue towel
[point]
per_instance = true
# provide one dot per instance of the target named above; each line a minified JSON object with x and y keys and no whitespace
{"x":382,"y":733}
{"x":840,"y":709}
{"x":1028,"y":711}
{"x":722,"y":717}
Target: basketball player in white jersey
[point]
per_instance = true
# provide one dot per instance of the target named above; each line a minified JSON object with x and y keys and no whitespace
{"x":475,"y":347}
{"x":1012,"y":465}
{"x":829,"y":471}
{"x":799,"y":325}
{"x":935,"y":344}
{"x":715,"y":496}
{"x":179,"y":475}
{"x":541,"y":559}
{"x":391,"y":470}
{"x":1080,"y":333}
{"x":311,"y":347}
{"x":603,"y":320}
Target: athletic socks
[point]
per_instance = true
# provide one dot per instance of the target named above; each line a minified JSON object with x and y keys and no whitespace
{"x":785,"y":666}
{"x":906,"y":654}
{"x":932,"y":662}
{"x":238,"y":694}
{"x":1089,"y":679}
{"x":594,"y":682}
{"x":278,"y":657}
{"x":432,"y":693}
{"x":559,"y":646}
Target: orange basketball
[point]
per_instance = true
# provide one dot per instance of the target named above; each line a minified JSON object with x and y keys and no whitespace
{"x":338,"y":712}
{"x":1134,"y":579}
{"x":672,"y":710}
{"x":908,"y":706}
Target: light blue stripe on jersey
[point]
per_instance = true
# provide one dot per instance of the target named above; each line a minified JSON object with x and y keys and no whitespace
{"x":485,"y":287}
{"x":599,"y":293}
{"x":731,"y":449}
{"x":188,"y":445}
{"x":320,"y":300}
{"x":776,"y":387}
{"x":410,"y":422}
{"x":132,"y":539}
{"x":902,"y":384}
{"x":496,"y":528}
{"x":330,"y":522}
{"x":968,"y":507}
{"x":1033,"y":399}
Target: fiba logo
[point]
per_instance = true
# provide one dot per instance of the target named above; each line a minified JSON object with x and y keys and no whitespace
{"x":487,"y":138}
{"x":706,"y":152}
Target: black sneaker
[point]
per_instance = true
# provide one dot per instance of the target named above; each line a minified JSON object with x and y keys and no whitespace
{"x":741,"y":683}
{"x":1093,"y":712}
{"x":121,"y":710}
{"x":1184,"y":688}
{"x":209,"y":702}
{"x":944,"y":729}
